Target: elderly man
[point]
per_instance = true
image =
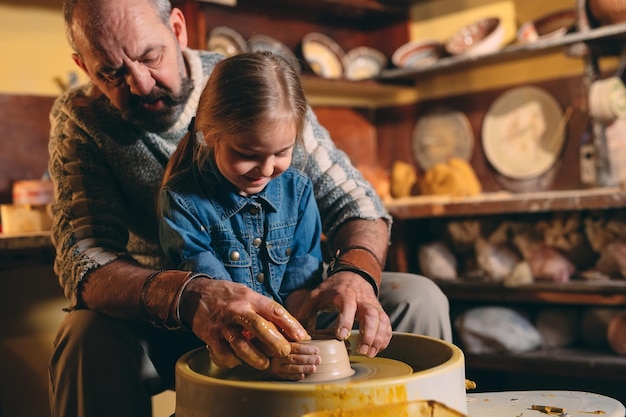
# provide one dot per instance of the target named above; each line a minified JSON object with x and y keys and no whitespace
{"x":131,"y":314}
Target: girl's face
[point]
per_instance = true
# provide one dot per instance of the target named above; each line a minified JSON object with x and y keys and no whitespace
{"x":250,"y":162}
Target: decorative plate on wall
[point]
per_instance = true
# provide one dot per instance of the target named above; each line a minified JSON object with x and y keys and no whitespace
{"x":226,"y":41}
{"x":441,"y":134}
{"x":523,"y":132}
{"x":324,"y":56}
{"x":267,"y":43}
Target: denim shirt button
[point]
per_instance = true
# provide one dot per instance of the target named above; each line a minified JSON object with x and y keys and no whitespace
{"x":257,"y":242}
{"x":234,"y":256}
{"x":254,"y":211}
{"x":260,"y":277}
{"x":288,"y":251}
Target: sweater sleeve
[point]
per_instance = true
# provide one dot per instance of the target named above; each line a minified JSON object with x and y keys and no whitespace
{"x":340,"y":190}
{"x":88,"y":229}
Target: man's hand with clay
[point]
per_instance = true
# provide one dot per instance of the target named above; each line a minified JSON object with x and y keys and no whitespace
{"x":239,"y":324}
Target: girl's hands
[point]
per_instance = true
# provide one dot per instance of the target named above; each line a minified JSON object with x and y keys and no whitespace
{"x":302,"y":361}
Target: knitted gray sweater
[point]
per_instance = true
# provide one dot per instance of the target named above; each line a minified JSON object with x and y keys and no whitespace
{"x":107,"y":172}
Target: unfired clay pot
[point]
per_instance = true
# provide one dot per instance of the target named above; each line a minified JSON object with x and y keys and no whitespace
{"x":436,"y":371}
{"x":335,"y":361}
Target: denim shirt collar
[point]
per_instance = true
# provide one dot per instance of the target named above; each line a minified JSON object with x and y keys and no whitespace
{"x":217,"y":186}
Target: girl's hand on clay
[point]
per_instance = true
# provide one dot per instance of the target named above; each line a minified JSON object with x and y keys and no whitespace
{"x":302,"y":361}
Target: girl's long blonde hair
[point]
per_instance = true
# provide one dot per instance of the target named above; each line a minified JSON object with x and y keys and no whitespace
{"x":244,"y":94}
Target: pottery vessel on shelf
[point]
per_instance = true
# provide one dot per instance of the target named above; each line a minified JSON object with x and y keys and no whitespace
{"x":417,"y":53}
{"x":363,"y":62}
{"x":323,"y":55}
{"x":550,"y":26}
{"x":480,"y":37}
{"x":608,"y":12}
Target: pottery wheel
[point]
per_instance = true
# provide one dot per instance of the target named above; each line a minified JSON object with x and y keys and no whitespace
{"x":365,"y":369}
{"x":413,"y":368}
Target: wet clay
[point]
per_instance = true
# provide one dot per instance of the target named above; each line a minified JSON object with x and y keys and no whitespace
{"x":335,"y":361}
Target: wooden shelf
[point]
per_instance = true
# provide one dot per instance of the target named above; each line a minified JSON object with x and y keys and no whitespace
{"x":396,"y":86}
{"x":507,"y":202}
{"x":391,"y":87}
{"x":19,"y":250}
{"x":515,"y":51}
{"x":25,"y":241}
{"x":343,"y":8}
{"x":576,"y":292}
{"x":367,"y":93}
{"x":574,"y":362}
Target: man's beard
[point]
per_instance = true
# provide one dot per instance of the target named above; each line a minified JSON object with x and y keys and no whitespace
{"x":163,"y":119}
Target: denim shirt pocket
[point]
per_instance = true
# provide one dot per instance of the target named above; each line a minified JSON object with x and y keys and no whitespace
{"x":233,"y":254}
{"x":279,"y":250}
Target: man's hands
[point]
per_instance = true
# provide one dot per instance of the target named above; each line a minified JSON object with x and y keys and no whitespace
{"x":239,"y":324}
{"x":353,"y":298}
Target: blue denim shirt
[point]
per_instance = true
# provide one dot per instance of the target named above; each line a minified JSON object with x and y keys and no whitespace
{"x":269,"y":241}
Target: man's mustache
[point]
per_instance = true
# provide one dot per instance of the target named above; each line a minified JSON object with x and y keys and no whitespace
{"x":156,"y":95}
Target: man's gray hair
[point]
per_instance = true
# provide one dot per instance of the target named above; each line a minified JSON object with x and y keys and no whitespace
{"x":94,"y":14}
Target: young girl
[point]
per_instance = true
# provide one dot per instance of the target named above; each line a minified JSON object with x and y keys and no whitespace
{"x":231,"y":206}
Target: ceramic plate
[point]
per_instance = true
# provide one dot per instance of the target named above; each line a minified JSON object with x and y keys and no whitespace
{"x":441,"y":134}
{"x":226,"y":41}
{"x":417,"y":54}
{"x":267,"y":43}
{"x":363,"y":62}
{"x":324,"y":55}
{"x":522,"y":134}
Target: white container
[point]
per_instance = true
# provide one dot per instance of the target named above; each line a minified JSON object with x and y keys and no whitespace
{"x":607,"y":99}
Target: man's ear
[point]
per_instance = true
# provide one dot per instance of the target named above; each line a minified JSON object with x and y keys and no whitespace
{"x":179,"y":26}
{"x":78,"y":60}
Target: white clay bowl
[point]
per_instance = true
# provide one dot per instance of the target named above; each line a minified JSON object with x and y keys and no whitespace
{"x":438,"y":373}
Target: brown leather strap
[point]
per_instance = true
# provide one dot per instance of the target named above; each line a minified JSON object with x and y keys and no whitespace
{"x":360,"y":260}
{"x":160,"y":297}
